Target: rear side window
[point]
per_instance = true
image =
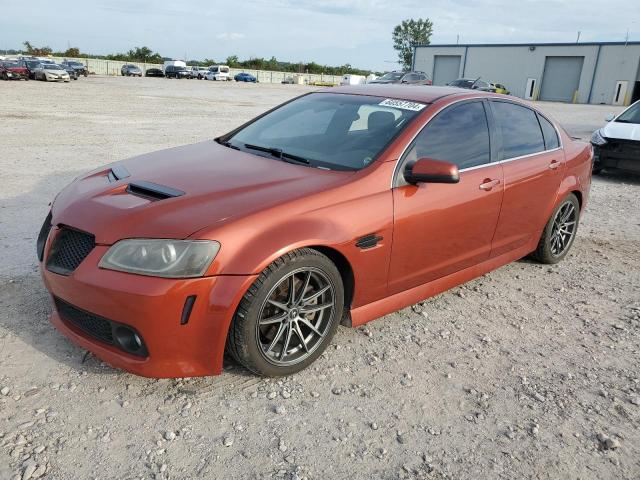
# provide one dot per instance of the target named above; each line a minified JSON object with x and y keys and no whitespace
{"x":459,"y":135}
{"x":521,"y":134}
{"x":549,"y":132}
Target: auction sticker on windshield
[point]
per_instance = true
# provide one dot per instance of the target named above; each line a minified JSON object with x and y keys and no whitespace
{"x":403,"y":104}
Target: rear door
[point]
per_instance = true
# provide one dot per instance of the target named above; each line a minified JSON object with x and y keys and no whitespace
{"x":443,"y":228}
{"x":533,"y":164}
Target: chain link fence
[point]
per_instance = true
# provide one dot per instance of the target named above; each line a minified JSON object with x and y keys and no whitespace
{"x":101,"y":66}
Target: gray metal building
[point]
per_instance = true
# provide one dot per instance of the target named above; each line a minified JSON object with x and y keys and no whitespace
{"x":599,"y":73}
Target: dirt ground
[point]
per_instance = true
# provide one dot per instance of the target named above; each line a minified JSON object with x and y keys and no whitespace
{"x":528,"y":372}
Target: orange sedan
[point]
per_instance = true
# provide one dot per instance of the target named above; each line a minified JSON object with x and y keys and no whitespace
{"x":338,"y":207}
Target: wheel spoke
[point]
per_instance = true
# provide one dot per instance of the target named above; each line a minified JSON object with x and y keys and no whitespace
{"x":285,"y":345}
{"x":310,"y":326}
{"x":301,"y":337}
{"x":305,"y":301}
{"x":305,"y":284}
{"x":273,"y":343}
{"x":272,"y":320}
{"x":292,"y":289}
{"x":279,"y":305}
{"x":316,"y":308}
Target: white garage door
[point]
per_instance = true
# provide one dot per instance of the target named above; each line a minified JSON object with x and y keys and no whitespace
{"x":446,"y":68}
{"x":561,"y":78}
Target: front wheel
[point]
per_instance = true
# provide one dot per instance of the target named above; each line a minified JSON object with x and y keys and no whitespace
{"x":289,"y":315}
{"x":560,"y":232}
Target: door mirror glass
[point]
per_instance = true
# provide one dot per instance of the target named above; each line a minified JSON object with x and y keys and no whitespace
{"x":609,"y":117}
{"x":427,"y":170}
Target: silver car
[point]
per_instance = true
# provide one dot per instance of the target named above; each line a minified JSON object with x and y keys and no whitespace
{"x":51,"y":72}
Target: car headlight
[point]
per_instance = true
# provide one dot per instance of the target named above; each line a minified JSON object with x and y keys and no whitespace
{"x":161,"y":258}
{"x":597,"y":138}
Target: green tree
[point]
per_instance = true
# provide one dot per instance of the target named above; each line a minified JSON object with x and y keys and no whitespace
{"x":72,"y":52}
{"x":36,"y":51}
{"x":409,"y":33}
{"x":232,"y":61}
{"x":140,"y":53}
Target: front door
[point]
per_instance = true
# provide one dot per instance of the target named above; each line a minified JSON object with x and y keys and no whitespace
{"x":533,"y":164}
{"x":443,"y":228}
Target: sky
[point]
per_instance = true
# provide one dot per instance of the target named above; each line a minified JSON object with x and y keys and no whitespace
{"x":331,"y":32}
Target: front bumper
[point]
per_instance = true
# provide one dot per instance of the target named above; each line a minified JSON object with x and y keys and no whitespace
{"x":153,"y":307}
{"x":618,"y":154}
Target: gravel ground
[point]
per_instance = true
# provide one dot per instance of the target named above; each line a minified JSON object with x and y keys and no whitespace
{"x":528,"y":372}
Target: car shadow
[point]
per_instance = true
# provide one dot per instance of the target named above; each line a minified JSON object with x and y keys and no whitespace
{"x":618,"y":176}
{"x":26,"y":304}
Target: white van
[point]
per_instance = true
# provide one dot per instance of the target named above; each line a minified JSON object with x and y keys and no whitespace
{"x":173,"y":63}
{"x":218,"y":72}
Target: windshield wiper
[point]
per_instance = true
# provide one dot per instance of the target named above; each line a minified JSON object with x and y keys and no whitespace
{"x":228,"y":144}
{"x":278,"y":153}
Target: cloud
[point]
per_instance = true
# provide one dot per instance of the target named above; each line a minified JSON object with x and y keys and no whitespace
{"x":230,"y":36}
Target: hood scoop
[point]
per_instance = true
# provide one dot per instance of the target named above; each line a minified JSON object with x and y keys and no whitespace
{"x":118,"y":172}
{"x":152,"y":191}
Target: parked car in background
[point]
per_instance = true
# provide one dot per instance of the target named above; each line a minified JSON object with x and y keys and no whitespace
{"x":176,"y":71}
{"x":30,"y":65}
{"x":412,"y":77}
{"x":499,"y":88}
{"x":245,"y":77}
{"x":617,"y":144}
{"x":353,"y":80}
{"x":340,"y":206}
{"x":198,"y":72}
{"x":472,"y":84}
{"x":129,"y":70}
{"x":13,"y":70}
{"x":219,"y":73}
{"x":73,"y":74}
{"x":79,"y":67}
{"x":154,"y":72}
{"x":51,"y":72}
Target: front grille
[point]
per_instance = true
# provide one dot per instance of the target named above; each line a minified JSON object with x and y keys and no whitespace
{"x":627,"y":147}
{"x":42,"y":236}
{"x":69,"y":249}
{"x":89,"y":323}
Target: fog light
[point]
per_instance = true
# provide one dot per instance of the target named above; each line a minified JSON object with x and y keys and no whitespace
{"x":129,"y":341}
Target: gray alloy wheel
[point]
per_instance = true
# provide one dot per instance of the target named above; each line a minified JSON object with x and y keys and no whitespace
{"x":560,"y":232}
{"x":288,"y":316}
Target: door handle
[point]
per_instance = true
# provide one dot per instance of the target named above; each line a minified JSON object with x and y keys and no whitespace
{"x":554,"y":164}
{"x":487,"y":184}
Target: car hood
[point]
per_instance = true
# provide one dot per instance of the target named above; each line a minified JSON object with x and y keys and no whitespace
{"x":16,"y":69}
{"x":219,"y":184}
{"x":622,"y":131}
{"x":55,"y":71}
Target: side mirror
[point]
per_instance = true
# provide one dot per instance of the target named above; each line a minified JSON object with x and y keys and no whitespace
{"x":609,"y":117}
{"x":426,"y":170}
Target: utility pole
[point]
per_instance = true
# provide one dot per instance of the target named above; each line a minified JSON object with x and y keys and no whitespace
{"x":458,"y":39}
{"x":578,"y":39}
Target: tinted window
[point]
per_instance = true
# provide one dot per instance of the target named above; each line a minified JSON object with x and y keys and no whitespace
{"x":336,"y":131}
{"x":521,"y":134}
{"x":550,"y":135}
{"x":459,"y":135}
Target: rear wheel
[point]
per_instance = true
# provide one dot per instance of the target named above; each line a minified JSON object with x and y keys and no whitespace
{"x":560,"y":232}
{"x":289,"y":315}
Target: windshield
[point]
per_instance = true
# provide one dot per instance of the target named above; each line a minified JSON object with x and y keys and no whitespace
{"x":631,"y":115}
{"x":327,"y":130}
{"x":10,"y":64}
{"x":462,"y":83}
{"x":52,"y":66}
{"x":392,"y":76}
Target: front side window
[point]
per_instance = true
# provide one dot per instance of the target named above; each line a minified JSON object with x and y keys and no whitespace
{"x":459,"y":135}
{"x":519,"y":129}
{"x":327,"y":130}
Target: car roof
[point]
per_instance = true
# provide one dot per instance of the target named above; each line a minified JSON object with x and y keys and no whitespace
{"x":415,"y":93}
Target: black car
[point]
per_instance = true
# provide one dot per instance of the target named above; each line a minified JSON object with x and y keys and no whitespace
{"x":79,"y":67}
{"x":154,"y":72}
{"x":173,"y":71}
{"x":30,"y":65}
{"x":129,"y":70}
{"x":472,"y":84}
{"x":73,"y":73}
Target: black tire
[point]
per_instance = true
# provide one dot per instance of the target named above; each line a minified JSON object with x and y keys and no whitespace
{"x":244,"y":337}
{"x":545,"y":253}
{"x":5,"y":76}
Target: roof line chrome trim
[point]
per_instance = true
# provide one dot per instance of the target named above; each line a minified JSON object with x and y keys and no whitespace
{"x":506,"y":160}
